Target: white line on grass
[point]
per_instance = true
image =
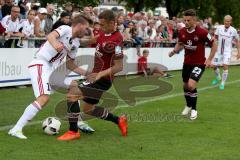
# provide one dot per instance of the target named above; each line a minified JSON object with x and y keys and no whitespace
{"x":3,"y":128}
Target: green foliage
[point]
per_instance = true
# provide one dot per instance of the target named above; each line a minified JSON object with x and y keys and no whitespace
{"x":216,"y":9}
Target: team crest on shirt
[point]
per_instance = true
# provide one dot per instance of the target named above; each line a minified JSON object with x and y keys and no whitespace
{"x":108,"y":47}
{"x":73,"y":48}
{"x":196,"y":38}
{"x":189,"y":42}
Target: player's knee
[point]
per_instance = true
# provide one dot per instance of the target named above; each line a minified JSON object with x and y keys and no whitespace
{"x":43,"y":99}
{"x":72,"y":98}
{"x":74,"y":84}
{"x":191,"y":87}
{"x":225,"y":67}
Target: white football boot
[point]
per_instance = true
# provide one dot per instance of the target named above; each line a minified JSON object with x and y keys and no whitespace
{"x":194,"y":114}
{"x":17,"y":133}
{"x":84,"y":127}
{"x":186,"y":110}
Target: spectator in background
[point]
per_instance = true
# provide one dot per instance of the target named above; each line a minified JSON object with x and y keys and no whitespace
{"x":68,"y":8}
{"x":63,"y":20}
{"x":1,"y":4}
{"x":205,"y":24}
{"x":6,"y":8}
{"x":95,"y":14}
{"x":76,"y":8}
{"x":143,"y":67}
{"x":22,"y":4}
{"x":162,"y":35}
{"x":11,"y":24}
{"x":49,"y":20}
{"x":96,"y":32}
{"x":120,"y":26}
{"x":87,"y":11}
{"x":172,"y":32}
{"x":141,"y":29}
{"x":150,"y":30}
{"x":39,"y":22}
{"x":27,"y":30}
{"x":35,"y":7}
{"x":127,"y":19}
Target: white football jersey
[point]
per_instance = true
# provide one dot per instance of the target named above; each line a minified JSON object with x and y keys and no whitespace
{"x":27,"y":27}
{"x":9,"y":25}
{"x":225,"y":39}
{"x":50,"y":54}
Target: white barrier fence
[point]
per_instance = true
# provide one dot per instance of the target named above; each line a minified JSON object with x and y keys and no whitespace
{"x":14,"y":61}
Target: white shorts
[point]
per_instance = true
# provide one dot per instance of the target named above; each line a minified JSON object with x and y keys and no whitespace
{"x":221,"y":59}
{"x":42,"y":80}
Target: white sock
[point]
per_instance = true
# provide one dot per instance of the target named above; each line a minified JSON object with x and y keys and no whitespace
{"x":224,"y":76}
{"x":29,"y":113}
{"x":217,"y":73}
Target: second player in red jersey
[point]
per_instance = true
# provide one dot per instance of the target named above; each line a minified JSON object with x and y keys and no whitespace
{"x":193,"y":39}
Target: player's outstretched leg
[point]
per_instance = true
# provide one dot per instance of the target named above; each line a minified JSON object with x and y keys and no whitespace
{"x":217,"y":75}
{"x":104,"y":114}
{"x":29,"y":113}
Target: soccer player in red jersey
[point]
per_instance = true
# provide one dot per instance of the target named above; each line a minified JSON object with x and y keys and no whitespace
{"x":108,"y":61}
{"x":193,"y":39}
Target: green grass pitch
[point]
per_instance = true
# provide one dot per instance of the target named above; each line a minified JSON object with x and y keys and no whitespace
{"x":156,"y":129}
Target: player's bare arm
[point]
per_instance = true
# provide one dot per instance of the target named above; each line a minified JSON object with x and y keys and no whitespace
{"x":178,"y":47}
{"x":73,"y":67}
{"x":117,"y":67}
{"x":208,"y":62}
{"x":238,"y":47}
{"x":52,"y":39}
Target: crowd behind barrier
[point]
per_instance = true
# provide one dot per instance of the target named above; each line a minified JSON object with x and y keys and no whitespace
{"x":27,"y":27}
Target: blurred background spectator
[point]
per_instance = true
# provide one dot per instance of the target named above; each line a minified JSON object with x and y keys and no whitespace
{"x":6,"y":8}
{"x":22,"y":4}
{"x":63,"y":20}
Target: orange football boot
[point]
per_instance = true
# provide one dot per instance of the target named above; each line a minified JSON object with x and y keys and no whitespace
{"x":69,"y":135}
{"x":123,"y":125}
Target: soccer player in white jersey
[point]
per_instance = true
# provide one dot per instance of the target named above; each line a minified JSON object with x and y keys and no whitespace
{"x":225,"y":36}
{"x":62,"y":42}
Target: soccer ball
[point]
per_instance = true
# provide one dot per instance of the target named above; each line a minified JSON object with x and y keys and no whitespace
{"x":51,"y":125}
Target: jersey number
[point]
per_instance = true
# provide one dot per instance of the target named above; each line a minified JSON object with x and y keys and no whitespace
{"x":197,"y":71}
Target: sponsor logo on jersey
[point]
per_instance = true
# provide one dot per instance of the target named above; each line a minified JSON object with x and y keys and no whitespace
{"x":196,"y":38}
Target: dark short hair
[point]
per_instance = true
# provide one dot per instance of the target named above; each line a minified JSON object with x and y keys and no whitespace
{"x":65,"y":14}
{"x":95,"y":23}
{"x":81,"y":19}
{"x":107,"y":15}
{"x":190,"y":12}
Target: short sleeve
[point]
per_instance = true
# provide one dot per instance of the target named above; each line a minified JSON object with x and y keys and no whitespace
{"x":207,"y":37}
{"x":62,"y":30}
{"x":118,"y":51}
{"x":74,"y":49}
{"x":235,"y":35}
{"x":180,"y":36}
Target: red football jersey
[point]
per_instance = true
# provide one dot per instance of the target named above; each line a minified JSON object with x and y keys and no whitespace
{"x":194,"y":44}
{"x":142,"y":64}
{"x":109,"y":48}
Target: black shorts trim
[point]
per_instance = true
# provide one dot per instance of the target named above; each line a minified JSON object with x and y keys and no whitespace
{"x":192,"y":72}
{"x":92,"y":92}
